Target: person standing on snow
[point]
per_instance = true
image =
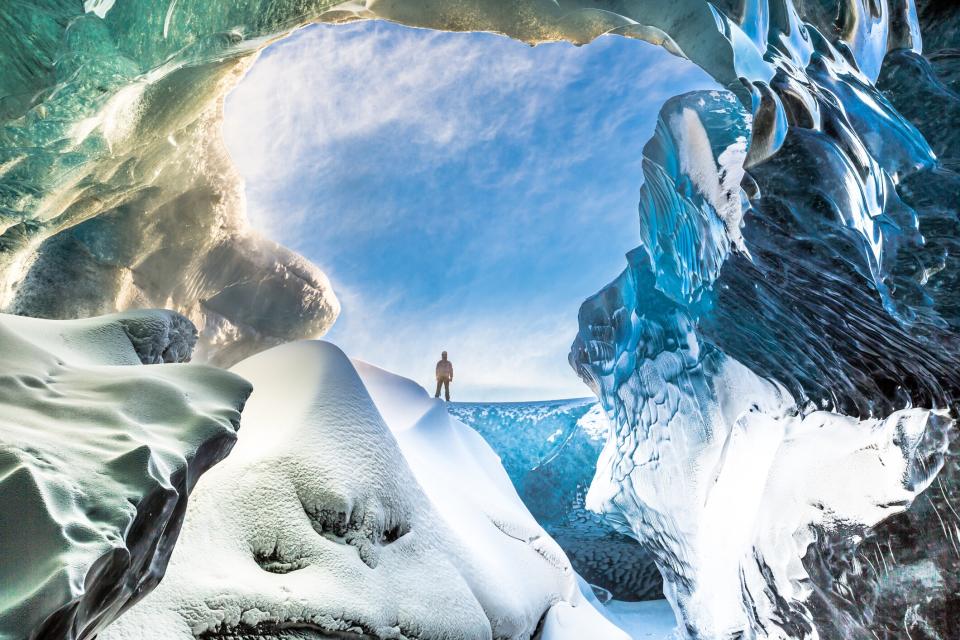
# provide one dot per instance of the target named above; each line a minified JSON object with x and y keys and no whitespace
{"x":444,"y":375}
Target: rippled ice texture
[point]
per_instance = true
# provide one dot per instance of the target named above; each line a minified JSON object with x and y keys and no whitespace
{"x":812,"y":296}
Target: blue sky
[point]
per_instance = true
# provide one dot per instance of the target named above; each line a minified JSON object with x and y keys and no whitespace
{"x":462,"y":191}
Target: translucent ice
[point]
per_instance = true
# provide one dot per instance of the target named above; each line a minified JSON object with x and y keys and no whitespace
{"x":820,"y":283}
{"x":116,"y":192}
{"x":550,"y":451}
{"x":817,"y":337}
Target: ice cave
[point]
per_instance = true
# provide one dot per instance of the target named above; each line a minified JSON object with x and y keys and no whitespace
{"x":769,"y":450}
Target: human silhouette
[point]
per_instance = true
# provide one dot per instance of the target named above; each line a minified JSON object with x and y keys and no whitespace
{"x":444,"y":376}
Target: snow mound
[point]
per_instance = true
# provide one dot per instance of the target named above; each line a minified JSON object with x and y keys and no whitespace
{"x":97,"y":456}
{"x":133,"y":337}
{"x":353,"y":505}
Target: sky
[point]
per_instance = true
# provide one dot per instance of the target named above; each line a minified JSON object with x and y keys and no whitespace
{"x":463,"y":192}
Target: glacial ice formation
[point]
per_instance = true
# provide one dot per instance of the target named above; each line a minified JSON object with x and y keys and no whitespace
{"x":550,"y":450}
{"x":98,"y":454}
{"x":727,"y":482}
{"x":752,"y":369}
{"x":818,"y":276}
{"x":327,"y":522}
{"x":116,"y":191}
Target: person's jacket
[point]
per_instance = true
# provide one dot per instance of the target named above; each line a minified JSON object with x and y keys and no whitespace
{"x":444,"y":370}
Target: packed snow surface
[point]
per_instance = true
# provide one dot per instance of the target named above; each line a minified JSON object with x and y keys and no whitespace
{"x":354,"y":506}
{"x":97,"y":456}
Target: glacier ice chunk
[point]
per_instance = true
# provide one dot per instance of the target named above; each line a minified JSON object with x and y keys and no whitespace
{"x":550,"y":450}
{"x":720,"y":473}
{"x":824,"y":330}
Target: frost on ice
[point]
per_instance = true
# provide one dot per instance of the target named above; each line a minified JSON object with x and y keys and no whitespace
{"x":353,"y":504}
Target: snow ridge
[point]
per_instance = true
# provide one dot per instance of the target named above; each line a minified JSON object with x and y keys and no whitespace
{"x":98,"y":454}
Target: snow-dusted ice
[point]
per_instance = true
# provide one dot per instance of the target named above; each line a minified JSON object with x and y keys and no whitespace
{"x":353,"y":503}
{"x":792,"y":312}
{"x":98,"y":454}
{"x":729,"y":468}
{"x":730,"y":487}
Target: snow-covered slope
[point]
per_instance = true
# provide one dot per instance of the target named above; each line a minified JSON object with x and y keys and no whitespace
{"x":354,"y":506}
{"x":97,"y":456}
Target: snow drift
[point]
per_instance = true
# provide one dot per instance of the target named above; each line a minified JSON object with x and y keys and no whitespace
{"x":799,"y":232}
{"x":98,"y":454}
{"x":327,"y":522}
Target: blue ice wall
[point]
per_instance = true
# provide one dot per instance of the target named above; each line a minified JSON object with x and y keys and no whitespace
{"x":550,"y":451}
{"x":834,"y":283}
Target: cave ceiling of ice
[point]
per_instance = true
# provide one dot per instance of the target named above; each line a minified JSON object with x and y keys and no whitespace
{"x":798,"y":251}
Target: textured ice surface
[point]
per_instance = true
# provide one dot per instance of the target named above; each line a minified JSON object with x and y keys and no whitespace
{"x":97,"y":456}
{"x":550,"y":451}
{"x":790,"y":381}
{"x":912,"y":588}
{"x":727,"y":483}
{"x":116,"y":191}
{"x":833,"y":287}
{"x":353,"y":504}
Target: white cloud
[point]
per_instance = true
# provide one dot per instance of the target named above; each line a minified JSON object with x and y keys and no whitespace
{"x":403,"y":81}
{"x":340,"y":108}
{"x":311,"y":96}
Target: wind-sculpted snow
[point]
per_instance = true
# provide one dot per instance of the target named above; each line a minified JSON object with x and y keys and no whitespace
{"x":325,"y":522}
{"x":823,"y":277}
{"x":550,"y":451}
{"x":98,"y":454}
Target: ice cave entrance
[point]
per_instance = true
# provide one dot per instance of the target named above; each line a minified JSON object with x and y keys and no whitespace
{"x":463,"y":191}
